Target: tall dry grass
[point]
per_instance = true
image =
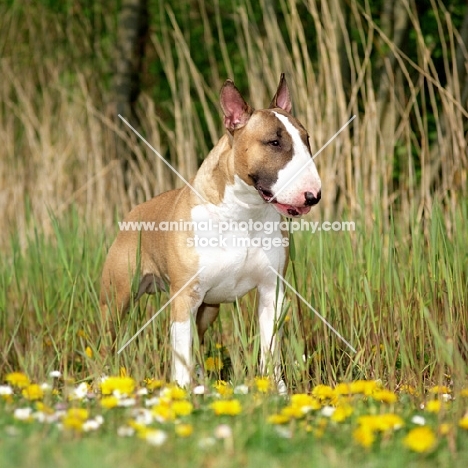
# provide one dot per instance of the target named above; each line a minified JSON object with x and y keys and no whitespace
{"x":56,"y":134}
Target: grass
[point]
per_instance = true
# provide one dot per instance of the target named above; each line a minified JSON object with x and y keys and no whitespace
{"x":398,"y":296}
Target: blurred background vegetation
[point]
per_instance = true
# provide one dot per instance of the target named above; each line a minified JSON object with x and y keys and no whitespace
{"x":68,"y":68}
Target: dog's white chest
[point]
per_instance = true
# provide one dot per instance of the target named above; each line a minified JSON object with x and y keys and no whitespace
{"x":236,"y":246}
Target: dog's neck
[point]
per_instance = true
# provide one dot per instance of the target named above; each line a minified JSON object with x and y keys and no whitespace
{"x":218,"y":183}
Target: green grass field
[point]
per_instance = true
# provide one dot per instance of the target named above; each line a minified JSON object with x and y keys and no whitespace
{"x":398,"y":297}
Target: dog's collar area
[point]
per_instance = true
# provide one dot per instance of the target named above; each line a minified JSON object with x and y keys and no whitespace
{"x":241,"y":203}
{"x":244,"y":195}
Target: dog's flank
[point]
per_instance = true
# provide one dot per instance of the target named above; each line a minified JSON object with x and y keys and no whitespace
{"x":246,"y":176}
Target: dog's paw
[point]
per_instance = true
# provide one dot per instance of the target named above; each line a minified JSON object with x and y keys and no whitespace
{"x":199,"y":390}
{"x":281,"y":386}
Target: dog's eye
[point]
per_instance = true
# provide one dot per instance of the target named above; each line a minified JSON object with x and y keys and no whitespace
{"x":274,"y":142}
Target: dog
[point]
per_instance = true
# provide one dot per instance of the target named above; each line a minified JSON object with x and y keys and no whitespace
{"x":260,"y":171}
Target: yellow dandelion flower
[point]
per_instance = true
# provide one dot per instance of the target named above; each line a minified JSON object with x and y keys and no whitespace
{"x":262,"y":384}
{"x":182,"y":408}
{"x":75,"y":418}
{"x":342,"y":389}
{"x":184,"y":430}
{"x":40,"y":406}
{"x":364,"y":387}
{"x":89,"y":352}
{"x":80,"y":413}
{"x":17,"y":379}
{"x":389,"y":421}
{"x":122,"y":385}
{"x":420,"y":439}
{"x":385,"y":396}
{"x":164,"y":412}
{"x":409,"y":390}
{"x":381,"y":422}
{"x":364,"y":436}
{"x":219,"y":346}
{"x":137,"y":426}
{"x":213,"y":364}
{"x":223,"y":388}
{"x":444,"y":429}
{"x":341,"y":413}
{"x":226,"y":407}
{"x":109,"y":402}
{"x":323,"y":392}
{"x":278,"y":418}
{"x":381,"y":347}
{"x":433,"y":406}
{"x":463,"y":422}
{"x":176,"y":393}
{"x":33,"y":392}
{"x":292,"y":411}
{"x":154,"y":384}
{"x":305,"y":402}
{"x":439,"y":389}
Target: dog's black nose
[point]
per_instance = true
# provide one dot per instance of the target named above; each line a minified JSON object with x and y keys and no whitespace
{"x":311,"y":199}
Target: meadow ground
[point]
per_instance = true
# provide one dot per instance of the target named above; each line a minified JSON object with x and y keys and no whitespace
{"x":400,"y":400}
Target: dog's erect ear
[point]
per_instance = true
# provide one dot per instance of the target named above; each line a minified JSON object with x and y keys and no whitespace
{"x":236,"y":111}
{"x":282,"y":97}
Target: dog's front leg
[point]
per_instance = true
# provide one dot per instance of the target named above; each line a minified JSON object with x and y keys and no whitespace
{"x":181,"y":339}
{"x":269,"y":311}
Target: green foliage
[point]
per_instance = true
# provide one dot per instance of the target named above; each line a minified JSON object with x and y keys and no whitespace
{"x":395,"y":295}
{"x":398,"y":296}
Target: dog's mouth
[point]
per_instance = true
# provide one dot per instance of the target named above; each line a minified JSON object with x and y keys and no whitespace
{"x":286,"y":210}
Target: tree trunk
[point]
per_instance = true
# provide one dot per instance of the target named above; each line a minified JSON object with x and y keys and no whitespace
{"x":126,"y":83}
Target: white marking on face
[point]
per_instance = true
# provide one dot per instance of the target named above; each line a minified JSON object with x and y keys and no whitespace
{"x":300,"y":174}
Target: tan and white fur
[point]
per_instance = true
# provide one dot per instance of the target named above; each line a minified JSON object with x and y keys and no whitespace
{"x":238,"y":181}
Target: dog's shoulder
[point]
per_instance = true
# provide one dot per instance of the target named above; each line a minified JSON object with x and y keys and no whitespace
{"x":156,"y":207}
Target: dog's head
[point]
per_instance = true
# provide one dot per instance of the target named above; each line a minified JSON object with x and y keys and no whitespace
{"x":272,"y":151}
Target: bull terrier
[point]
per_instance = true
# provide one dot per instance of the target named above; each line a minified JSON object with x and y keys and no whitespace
{"x":259,"y":171}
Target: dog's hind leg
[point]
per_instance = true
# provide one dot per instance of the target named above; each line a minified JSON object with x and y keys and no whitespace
{"x":206,"y":315}
{"x":114,"y":302}
{"x":116,"y":291}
